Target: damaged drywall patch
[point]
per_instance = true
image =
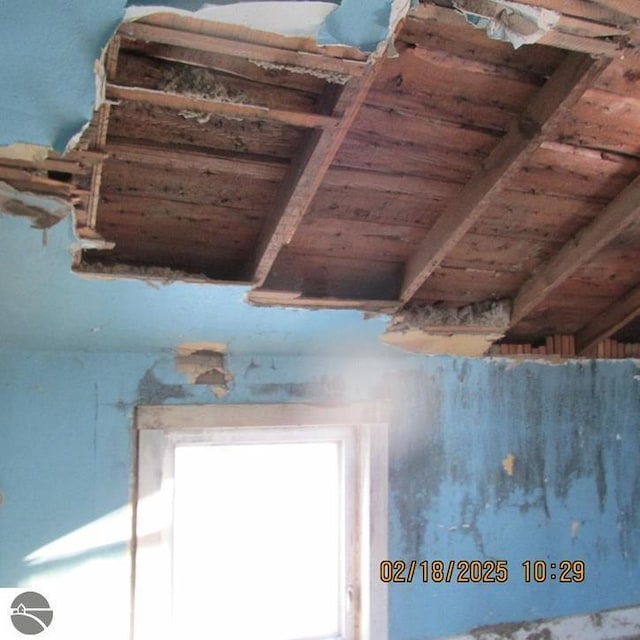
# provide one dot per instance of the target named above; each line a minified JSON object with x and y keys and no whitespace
{"x":205,"y":364}
{"x":464,"y":331}
{"x":44,"y":212}
{"x":151,"y":390}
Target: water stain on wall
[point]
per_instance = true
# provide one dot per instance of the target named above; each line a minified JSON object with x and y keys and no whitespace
{"x":518,"y":441}
{"x":151,"y":390}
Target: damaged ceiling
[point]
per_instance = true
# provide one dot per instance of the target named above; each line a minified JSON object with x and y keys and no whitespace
{"x":465,"y":186}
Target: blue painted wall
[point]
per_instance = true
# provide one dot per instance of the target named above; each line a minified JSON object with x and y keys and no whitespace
{"x":65,"y":462}
{"x":76,"y":355}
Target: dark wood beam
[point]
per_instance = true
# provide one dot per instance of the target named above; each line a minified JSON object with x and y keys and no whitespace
{"x":609,"y":321}
{"x":306,"y":174}
{"x":226,"y":109}
{"x":538,"y":122}
{"x":239,"y":49}
{"x":609,"y":224}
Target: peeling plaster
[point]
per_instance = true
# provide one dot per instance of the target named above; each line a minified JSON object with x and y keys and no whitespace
{"x":205,"y":365}
{"x":507,"y":464}
{"x":44,"y":212}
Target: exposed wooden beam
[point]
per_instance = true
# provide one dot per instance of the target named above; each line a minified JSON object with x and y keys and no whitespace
{"x":226,"y":109}
{"x":306,"y":174}
{"x":628,"y":7}
{"x":582,"y":44}
{"x":539,"y":121}
{"x":612,"y":221}
{"x":181,"y":160}
{"x":268,"y":297}
{"x":609,"y":321}
{"x":239,"y":49}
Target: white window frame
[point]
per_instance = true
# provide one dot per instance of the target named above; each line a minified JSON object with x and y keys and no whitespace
{"x":362,"y":427}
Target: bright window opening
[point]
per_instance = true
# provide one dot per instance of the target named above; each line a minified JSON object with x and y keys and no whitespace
{"x":257,"y":540}
{"x":260,"y":522}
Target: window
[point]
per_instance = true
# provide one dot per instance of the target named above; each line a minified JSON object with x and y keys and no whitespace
{"x":260,"y":522}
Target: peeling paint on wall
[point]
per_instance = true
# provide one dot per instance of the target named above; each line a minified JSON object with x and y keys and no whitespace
{"x":507,"y":464}
{"x":44,"y":212}
{"x":204,"y":364}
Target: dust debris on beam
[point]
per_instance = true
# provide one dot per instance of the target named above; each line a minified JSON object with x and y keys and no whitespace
{"x":463,"y":331}
{"x":205,"y":364}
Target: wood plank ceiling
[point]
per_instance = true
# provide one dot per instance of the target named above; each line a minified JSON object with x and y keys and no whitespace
{"x":450,"y":171}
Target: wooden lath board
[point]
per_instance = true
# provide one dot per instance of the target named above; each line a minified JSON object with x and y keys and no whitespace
{"x":538,"y":122}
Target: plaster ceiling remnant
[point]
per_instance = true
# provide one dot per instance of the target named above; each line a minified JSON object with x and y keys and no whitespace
{"x":204,"y":364}
{"x":365,"y":24}
{"x":44,"y":212}
{"x":508,"y":21}
{"x":292,"y":19}
{"x":463,"y":331}
{"x":153,"y":276}
{"x":330,"y":76}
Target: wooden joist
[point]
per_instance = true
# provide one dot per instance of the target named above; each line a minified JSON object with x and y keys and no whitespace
{"x":182,"y":102}
{"x":620,"y":213}
{"x":540,"y":120}
{"x":269,"y":297}
{"x":306,"y":174}
{"x":245,"y":50}
{"x":609,"y":321}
